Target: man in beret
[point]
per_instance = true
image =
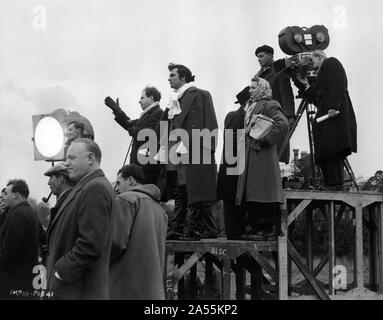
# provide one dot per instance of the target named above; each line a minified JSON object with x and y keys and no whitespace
{"x":281,"y":88}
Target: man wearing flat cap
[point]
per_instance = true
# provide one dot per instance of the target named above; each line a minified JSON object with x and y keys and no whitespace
{"x":60,"y":185}
{"x":227,"y":183}
{"x":281,"y":90}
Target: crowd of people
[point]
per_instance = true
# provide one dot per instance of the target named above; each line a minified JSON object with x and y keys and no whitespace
{"x":108,"y":242}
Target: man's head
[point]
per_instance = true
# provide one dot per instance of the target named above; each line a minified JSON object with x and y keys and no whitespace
{"x":83,"y":157}
{"x":16,"y":191}
{"x":75,"y":130}
{"x":149,"y":96}
{"x":128,"y":177}
{"x":243,"y":96}
{"x":179,"y":75}
{"x":317,"y":57}
{"x":265,"y":55}
{"x":58,"y":179}
{"x":2,"y":203}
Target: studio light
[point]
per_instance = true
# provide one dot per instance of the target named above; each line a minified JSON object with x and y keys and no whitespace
{"x":50,"y":133}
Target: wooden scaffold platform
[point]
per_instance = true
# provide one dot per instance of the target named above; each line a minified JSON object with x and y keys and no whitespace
{"x":268,"y":264}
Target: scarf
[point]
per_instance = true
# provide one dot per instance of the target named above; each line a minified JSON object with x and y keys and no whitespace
{"x":155,"y":104}
{"x":174,"y":105}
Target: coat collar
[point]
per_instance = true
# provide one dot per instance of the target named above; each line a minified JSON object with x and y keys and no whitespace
{"x":186,"y":102}
{"x":19,"y":205}
{"x":72,"y":194}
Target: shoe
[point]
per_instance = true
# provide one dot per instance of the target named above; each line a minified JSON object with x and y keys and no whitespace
{"x":209,"y":235}
{"x":173,"y":235}
{"x":190,"y":235}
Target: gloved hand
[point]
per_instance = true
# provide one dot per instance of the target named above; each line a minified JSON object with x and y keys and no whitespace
{"x":114,"y":105}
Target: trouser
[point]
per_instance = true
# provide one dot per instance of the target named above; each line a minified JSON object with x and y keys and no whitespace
{"x":333,"y":170}
{"x":263,"y":216}
{"x":235,"y":218}
{"x":200,"y":216}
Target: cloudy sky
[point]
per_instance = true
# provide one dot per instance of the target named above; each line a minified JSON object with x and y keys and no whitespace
{"x":71,"y":54}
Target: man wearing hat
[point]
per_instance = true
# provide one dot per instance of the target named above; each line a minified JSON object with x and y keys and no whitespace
{"x":60,"y":185}
{"x":227,"y":184}
{"x":281,"y":88}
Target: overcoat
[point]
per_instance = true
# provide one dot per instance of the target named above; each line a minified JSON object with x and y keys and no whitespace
{"x":227,"y":184}
{"x":283,"y":93}
{"x":148,"y":120}
{"x":137,"y":268}
{"x":197,"y":113}
{"x":80,"y":240}
{"x":19,"y":238}
{"x":261,"y":180}
{"x":335,"y":136}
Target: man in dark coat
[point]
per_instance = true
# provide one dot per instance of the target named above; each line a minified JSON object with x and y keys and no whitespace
{"x":80,"y":235}
{"x":19,"y":238}
{"x":281,"y":88}
{"x":192,"y":181}
{"x":334,"y":138}
{"x":149,"y":119}
{"x":137,"y":268}
{"x":235,"y":218}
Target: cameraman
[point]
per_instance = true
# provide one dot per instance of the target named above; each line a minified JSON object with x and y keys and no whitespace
{"x":334,"y":138}
{"x":281,"y":88}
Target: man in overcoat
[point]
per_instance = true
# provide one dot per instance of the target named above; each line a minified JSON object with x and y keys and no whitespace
{"x":149,"y":119}
{"x":192,"y":183}
{"x":138,"y":262}
{"x":19,"y":238}
{"x":227,"y":182}
{"x":80,"y":235}
{"x":334,"y":138}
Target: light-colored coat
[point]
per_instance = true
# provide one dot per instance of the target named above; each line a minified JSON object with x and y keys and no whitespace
{"x":261,"y":179}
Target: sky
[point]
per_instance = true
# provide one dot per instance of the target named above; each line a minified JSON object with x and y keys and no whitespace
{"x":72,"y":54}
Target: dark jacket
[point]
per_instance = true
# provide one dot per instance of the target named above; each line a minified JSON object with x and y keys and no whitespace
{"x":18,"y":250}
{"x":336,"y":136}
{"x":80,"y":240}
{"x":137,"y":273}
{"x":197,"y":113}
{"x":283,"y":93}
{"x":149,"y":120}
{"x":227,"y":184}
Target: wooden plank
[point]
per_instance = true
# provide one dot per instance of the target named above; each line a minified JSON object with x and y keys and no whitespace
{"x":168,"y":278}
{"x":209,"y":283}
{"x":264,"y":264}
{"x":372,"y":235}
{"x":240,"y":280}
{"x":359,"y":247}
{"x":284,"y":213}
{"x":193,"y":282}
{"x":179,"y":258}
{"x":226,"y":279}
{"x":331,"y":246}
{"x":309,"y":235}
{"x":297,"y":211}
{"x":282,"y":267}
{"x":309,"y":277}
{"x":380,"y":247}
{"x":187,"y":265}
{"x":354,"y":199}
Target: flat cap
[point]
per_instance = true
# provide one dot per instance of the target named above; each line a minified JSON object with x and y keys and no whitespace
{"x":59,"y":168}
{"x":264,"y":48}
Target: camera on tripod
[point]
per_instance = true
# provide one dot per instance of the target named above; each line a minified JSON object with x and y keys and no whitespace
{"x":299,"y":43}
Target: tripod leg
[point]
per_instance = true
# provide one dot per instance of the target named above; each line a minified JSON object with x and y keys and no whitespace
{"x":300,"y":111}
{"x":350,"y":172}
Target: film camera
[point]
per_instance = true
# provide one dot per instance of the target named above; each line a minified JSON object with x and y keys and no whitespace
{"x":299,"y":42}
